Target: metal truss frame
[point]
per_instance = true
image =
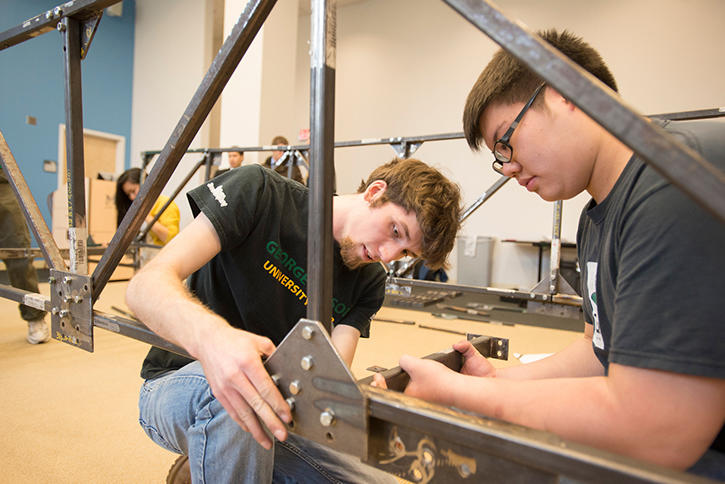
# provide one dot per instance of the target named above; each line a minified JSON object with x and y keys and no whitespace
{"x":414,"y":439}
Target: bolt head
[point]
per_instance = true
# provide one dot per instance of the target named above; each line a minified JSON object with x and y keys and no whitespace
{"x":306,"y":362}
{"x":291,"y":402}
{"x":295,"y":387}
{"x":275,"y":379}
{"x":307,"y":332}
{"x":327,"y":418}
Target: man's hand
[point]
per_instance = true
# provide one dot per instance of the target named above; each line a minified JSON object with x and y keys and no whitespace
{"x":232,"y":363}
{"x":428,"y":373}
{"x":474,"y":363}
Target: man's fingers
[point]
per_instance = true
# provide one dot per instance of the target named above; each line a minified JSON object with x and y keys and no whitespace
{"x":259,"y":402}
{"x":379,"y":381}
{"x":243,"y":415}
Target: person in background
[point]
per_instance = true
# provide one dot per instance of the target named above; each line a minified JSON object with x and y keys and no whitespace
{"x":14,"y":234}
{"x":276,"y":163}
{"x":166,"y":227}
{"x":236,"y":158}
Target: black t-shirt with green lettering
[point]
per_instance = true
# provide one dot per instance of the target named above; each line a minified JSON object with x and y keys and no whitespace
{"x":257,"y":282}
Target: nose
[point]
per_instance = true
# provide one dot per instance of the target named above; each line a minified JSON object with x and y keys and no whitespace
{"x":511,"y":168}
{"x":390,"y":252}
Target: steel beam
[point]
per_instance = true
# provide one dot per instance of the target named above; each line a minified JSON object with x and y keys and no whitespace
{"x":686,"y":169}
{"x":322,"y":165}
{"x":75,"y":166}
{"x":47,"y":21}
{"x":32,"y":213}
{"x":222,"y":68}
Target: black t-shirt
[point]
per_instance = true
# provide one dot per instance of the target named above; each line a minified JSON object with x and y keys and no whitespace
{"x":257,"y":282}
{"x":653,"y":266}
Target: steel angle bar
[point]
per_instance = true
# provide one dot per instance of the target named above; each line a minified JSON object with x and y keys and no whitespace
{"x":484,"y":196}
{"x":221,"y":69}
{"x":397,"y":379}
{"x":134,"y":329}
{"x":423,"y":442}
{"x":32,"y":299}
{"x":690,"y":115}
{"x":47,"y":244}
{"x":494,"y":291}
{"x":75,"y":166}
{"x":23,"y":252}
{"x":682,"y":166}
{"x":47,"y":21}
{"x":194,"y":169}
{"x":322,"y":165}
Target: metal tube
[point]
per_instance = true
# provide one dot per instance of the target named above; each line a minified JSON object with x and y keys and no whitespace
{"x":75,"y":166}
{"x":221,"y":69}
{"x":686,"y":169}
{"x":47,"y":244}
{"x":322,"y":122}
{"x":555,"y":254}
{"x":485,"y":196}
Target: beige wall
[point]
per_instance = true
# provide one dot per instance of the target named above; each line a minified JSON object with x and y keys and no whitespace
{"x":404,"y":68}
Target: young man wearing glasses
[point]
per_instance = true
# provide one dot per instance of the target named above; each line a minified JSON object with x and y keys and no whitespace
{"x":647,"y":380}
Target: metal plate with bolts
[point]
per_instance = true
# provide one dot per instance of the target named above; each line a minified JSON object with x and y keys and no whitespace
{"x":328,"y":406}
{"x":71,"y":315}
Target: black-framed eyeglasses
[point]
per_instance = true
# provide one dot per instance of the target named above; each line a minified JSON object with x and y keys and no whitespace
{"x":502,"y":150}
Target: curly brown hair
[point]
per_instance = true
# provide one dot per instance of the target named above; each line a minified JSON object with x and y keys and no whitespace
{"x":435,"y":200}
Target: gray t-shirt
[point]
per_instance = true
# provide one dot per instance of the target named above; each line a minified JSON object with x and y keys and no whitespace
{"x":653,"y":268}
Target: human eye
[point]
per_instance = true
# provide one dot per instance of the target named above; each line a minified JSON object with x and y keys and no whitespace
{"x":396,"y":232}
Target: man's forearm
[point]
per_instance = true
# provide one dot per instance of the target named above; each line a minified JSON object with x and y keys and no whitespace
{"x":164,"y":304}
{"x":576,"y":360}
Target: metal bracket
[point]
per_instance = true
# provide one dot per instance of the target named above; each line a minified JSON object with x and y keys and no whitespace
{"x":88,"y":30}
{"x":327,"y":405}
{"x":71,"y":309}
{"x":405,"y":149}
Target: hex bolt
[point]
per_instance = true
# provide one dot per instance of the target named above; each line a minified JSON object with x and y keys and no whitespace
{"x":500,"y":342}
{"x":275,"y":379}
{"x":295,"y":387}
{"x":66,"y":299}
{"x":464,"y":470}
{"x":67,"y":279}
{"x":49,"y":14}
{"x":63,"y":313}
{"x":77,"y":299}
{"x":499,"y":353}
{"x":51,"y":280}
{"x":291,"y":402}
{"x":427,"y":456}
{"x":306,"y":362}
{"x":307,"y":332}
{"x":57,"y":11}
{"x":327,"y":418}
{"x":54,"y":310}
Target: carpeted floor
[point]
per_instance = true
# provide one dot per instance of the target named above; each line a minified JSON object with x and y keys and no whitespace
{"x":71,"y":416}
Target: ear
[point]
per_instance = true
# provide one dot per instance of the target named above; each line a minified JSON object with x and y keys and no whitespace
{"x":374,"y":191}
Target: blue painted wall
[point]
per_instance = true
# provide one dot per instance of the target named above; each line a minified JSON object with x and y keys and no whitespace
{"x":31,"y":83}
